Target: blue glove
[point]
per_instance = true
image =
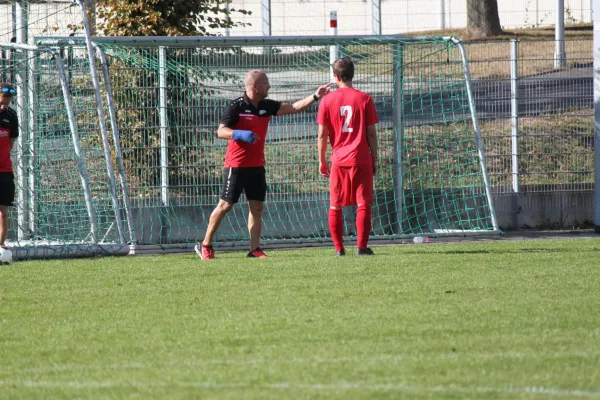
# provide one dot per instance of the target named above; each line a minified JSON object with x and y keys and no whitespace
{"x":244,"y":136}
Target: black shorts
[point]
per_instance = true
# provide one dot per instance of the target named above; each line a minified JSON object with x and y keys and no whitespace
{"x":7,"y":188}
{"x":251,"y":180}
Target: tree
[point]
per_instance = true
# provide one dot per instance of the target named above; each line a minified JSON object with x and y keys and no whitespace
{"x":135,"y":88}
{"x":163,"y":17}
{"x":482,"y":18}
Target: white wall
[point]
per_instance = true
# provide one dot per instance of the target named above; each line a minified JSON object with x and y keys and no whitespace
{"x":311,"y":17}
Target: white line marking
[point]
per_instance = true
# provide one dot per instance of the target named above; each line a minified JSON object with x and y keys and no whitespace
{"x":535,"y":390}
{"x":198,"y":363}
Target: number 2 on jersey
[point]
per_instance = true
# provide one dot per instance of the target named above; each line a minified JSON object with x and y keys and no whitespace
{"x":346,"y":112}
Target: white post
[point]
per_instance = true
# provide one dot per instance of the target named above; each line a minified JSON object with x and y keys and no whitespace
{"x":376,"y":17}
{"x":333,"y":50}
{"x":442,"y":14}
{"x":21,"y":106}
{"x":596,"y":14}
{"x":514,"y":111}
{"x":559,"y":35}
{"x":228,"y":8}
{"x":266,"y":17}
{"x":164,"y":133}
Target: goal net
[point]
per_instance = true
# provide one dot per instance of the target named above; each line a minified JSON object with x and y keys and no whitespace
{"x":155,"y":176}
{"x":63,"y":204}
{"x":169,"y":94}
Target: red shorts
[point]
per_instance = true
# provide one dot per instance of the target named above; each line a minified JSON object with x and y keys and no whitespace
{"x":351,"y":185}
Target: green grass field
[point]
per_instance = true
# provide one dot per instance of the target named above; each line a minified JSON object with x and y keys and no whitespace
{"x":499,"y":319}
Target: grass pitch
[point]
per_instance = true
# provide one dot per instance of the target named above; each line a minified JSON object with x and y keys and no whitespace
{"x":484,"y":320}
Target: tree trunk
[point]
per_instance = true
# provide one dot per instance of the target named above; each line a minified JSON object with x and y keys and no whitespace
{"x":482,"y":18}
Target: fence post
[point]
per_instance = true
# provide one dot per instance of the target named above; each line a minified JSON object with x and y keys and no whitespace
{"x":559,"y":36}
{"x":227,"y":31}
{"x":514,"y":113}
{"x":376,"y":17}
{"x":333,"y":50}
{"x":596,"y":9}
{"x":442,"y":14}
{"x":266,"y":17}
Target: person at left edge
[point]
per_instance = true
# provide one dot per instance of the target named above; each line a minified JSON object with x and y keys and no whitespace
{"x":244,"y":123}
{"x":9,"y":131}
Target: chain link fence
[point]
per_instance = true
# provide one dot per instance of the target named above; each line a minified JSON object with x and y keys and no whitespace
{"x":538,"y":128}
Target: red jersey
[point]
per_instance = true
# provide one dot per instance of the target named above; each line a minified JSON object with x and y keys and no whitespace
{"x":241,"y":114}
{"x":9,"y":129}
{"x":346,"y":113}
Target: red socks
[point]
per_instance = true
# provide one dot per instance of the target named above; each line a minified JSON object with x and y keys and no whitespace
{"x":363,"y":226}
{"x":336,"y":227}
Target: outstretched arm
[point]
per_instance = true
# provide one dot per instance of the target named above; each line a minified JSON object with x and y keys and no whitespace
{"x":372,"y":141}
{"x":322,"y":146}
{"x":300,"y":105}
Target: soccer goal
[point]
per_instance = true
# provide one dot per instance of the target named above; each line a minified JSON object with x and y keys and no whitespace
{"x":169,"y":92}
{"x":162,"y":98}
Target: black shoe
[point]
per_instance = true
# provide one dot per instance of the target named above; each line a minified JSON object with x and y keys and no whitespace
{"x":364,"y":252}
{"x":340,"y":253}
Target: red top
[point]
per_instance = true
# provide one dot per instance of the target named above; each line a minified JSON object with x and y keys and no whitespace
{"x":346,"y":113}
{"x":9,"y":129}
{"x":241,"y":114}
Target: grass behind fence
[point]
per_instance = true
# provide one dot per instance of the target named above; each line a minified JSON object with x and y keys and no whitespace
{"x":487,"y":320}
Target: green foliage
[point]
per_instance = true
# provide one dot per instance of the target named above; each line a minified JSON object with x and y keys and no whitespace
{"x":163,"y":17}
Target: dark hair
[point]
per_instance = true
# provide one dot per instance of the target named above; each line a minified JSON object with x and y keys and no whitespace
{"x":343,"y":68}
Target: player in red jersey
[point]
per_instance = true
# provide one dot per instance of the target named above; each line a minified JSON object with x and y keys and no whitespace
{"x":244,"y":123}
{"x":9,"y":131}
{"x":347,"y":118}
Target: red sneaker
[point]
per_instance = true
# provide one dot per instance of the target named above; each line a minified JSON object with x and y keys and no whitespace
{"x":257,"y":252}
{"x":205,"y":252}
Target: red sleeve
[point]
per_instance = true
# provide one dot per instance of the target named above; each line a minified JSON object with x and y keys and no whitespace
{"x":371,"y":112}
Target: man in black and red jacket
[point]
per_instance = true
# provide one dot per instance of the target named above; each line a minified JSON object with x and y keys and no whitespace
{"x":244,"y":123}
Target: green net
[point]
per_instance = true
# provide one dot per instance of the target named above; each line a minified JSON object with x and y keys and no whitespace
{"x":167,"y":98}
{"x":430,"y":179}
{"x":63,"y":205}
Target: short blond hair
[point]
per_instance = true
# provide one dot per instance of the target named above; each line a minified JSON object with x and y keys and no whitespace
{"x":253,"y":75}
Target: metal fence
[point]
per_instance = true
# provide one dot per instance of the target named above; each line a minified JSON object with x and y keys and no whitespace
{"x":538,"y":129}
